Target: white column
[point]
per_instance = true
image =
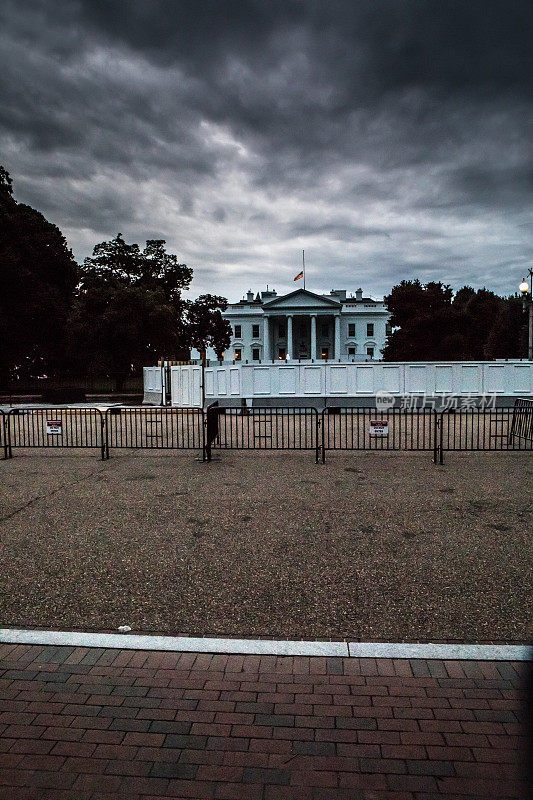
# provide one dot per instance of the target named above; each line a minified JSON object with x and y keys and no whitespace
{"x":313,"y":335}
{"x":289,"y":336}
{"x":337,"y":337}
{"x":266,"y":347}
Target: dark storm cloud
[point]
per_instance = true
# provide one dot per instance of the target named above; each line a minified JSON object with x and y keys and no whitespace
{"x":388,"y":138}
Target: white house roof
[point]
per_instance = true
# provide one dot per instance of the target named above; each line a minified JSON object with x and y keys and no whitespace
{"x":301,"y":298}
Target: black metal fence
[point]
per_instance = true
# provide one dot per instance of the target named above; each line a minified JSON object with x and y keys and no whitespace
{"x":55,"y":427}
{"x":494,"y":429}
{"x":263,"y":428}
{"x":83,"y":384}
{"x":522,"y":422}
{"x":4,"y":435}
{"x":270,"y":428}
{"x":367,"y":428}
{"x":154,"y":428}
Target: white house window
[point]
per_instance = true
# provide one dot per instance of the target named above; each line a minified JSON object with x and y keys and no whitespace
{"x":281,"y":331}
{"x":255,"y":354}
{"x":238,"y":331}
{"x":255,"y":331}
{"x":325,"y":353}
{"x":351,"y":329}
{"x":281,"y":353}
{"x":370,"y":329}
{"x":351,"y":351}
{"x":325,"y":330}
{"x":238,"y":354}
{"x":370,"y":352}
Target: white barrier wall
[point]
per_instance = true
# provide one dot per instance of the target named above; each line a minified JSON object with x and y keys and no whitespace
{"x":186,"y":386}
{"x":153,"y":380}
{"x":286,"y":380}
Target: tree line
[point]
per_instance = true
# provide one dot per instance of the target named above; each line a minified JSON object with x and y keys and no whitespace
{"x":431,"y":323}
{"x":120,"y":310}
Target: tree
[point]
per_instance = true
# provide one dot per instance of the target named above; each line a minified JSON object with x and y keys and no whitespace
{"x":421,"y":315}
{"x":508,"y":334}
{"x":129,"y":311}
{"x":432,"y":324}
{"x":38,"y":276}
{"x":206,"y":325}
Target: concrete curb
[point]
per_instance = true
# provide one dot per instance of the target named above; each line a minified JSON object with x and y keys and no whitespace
{"x":185,"y":644}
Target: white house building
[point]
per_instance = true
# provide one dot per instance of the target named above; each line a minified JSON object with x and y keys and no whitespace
{"x":306,"y":326}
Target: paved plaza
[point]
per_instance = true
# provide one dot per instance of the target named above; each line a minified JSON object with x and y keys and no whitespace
{"x":369,"y":546}
{"x":95,"y":724}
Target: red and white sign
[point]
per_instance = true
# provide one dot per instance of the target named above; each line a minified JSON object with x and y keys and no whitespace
{"x":379,"y":427}
{"x":54,"y":427}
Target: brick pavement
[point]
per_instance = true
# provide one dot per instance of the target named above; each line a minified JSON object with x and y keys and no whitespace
{"x":80,"y":723}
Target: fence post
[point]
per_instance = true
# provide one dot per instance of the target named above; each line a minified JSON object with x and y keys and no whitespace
{"x":6,"y":431}
{"x":317,"y":428}
{"x":206,"y":445}
{"x":441,"y":441}
{"x":436,"y":425}
{"x":324,"y":411}
{"x":104,"y":449}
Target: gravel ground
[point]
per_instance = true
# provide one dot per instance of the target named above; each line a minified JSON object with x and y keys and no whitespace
{"x":382,"y":546}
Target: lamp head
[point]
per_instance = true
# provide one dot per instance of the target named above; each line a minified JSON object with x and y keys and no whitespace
{"x":524,"y":287}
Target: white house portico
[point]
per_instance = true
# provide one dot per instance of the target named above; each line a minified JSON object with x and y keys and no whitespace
{"x":306,"y":326}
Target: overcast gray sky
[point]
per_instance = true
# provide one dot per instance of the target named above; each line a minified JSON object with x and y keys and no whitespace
{"x":389,"y":139}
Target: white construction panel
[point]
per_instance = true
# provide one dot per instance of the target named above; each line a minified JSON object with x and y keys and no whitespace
{"x":392,"y":379}
{"x":418,"y":378}
{"x":288,"y":380}
{"x":312,"y":380}
{"x":222,"y":382}
{"x":153,"y":385}
{"x":195,"y":395}
{"x":209,"y":382}
{"x":262,"y":381}
{"x":338,"y":379}
{"x":495,"y":378}
{"x":471,"y":379}
{"x":443,"y":379}
{"x":521,"y":379}
{"x":234,"y":381}
{"x":186,"y":376}
{"x":364,"y":380}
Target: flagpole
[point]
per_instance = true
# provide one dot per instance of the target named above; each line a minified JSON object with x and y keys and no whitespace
{"x":303,"y":261}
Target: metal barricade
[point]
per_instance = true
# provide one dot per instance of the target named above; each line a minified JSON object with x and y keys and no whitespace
{"x":5,"y":441}
{"x":47,"y":427}
{"x":489,"y":429}
{"x":264,"y":428}
{"x":155,"y":428}
{"x":368,"y":428}
{"x":522,"y":421}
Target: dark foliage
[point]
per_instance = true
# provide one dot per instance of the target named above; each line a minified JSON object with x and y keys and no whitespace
{"x":433,"y":325}
{"x":38,"y":276}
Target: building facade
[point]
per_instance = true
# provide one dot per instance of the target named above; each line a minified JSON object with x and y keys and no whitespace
{"x":306,"y":326}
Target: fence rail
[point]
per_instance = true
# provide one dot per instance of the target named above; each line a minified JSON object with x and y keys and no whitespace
{"x":154,"y":428}
{"x":56,"y":428}
{"x":4,"y":435}
{"x":522,"y":422}
{"x":86,"y":383}
{"x":367,"y":428}
{"x":495,"y":429}
{"x":264,"y":428}
{"x":269,"y":428}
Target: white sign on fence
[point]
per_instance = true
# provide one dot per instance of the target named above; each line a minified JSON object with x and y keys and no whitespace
{"x":54,"y":427}
{"x":379,"y":427}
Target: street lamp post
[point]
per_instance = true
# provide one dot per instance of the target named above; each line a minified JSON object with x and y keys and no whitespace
{"x":526,"y":288}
